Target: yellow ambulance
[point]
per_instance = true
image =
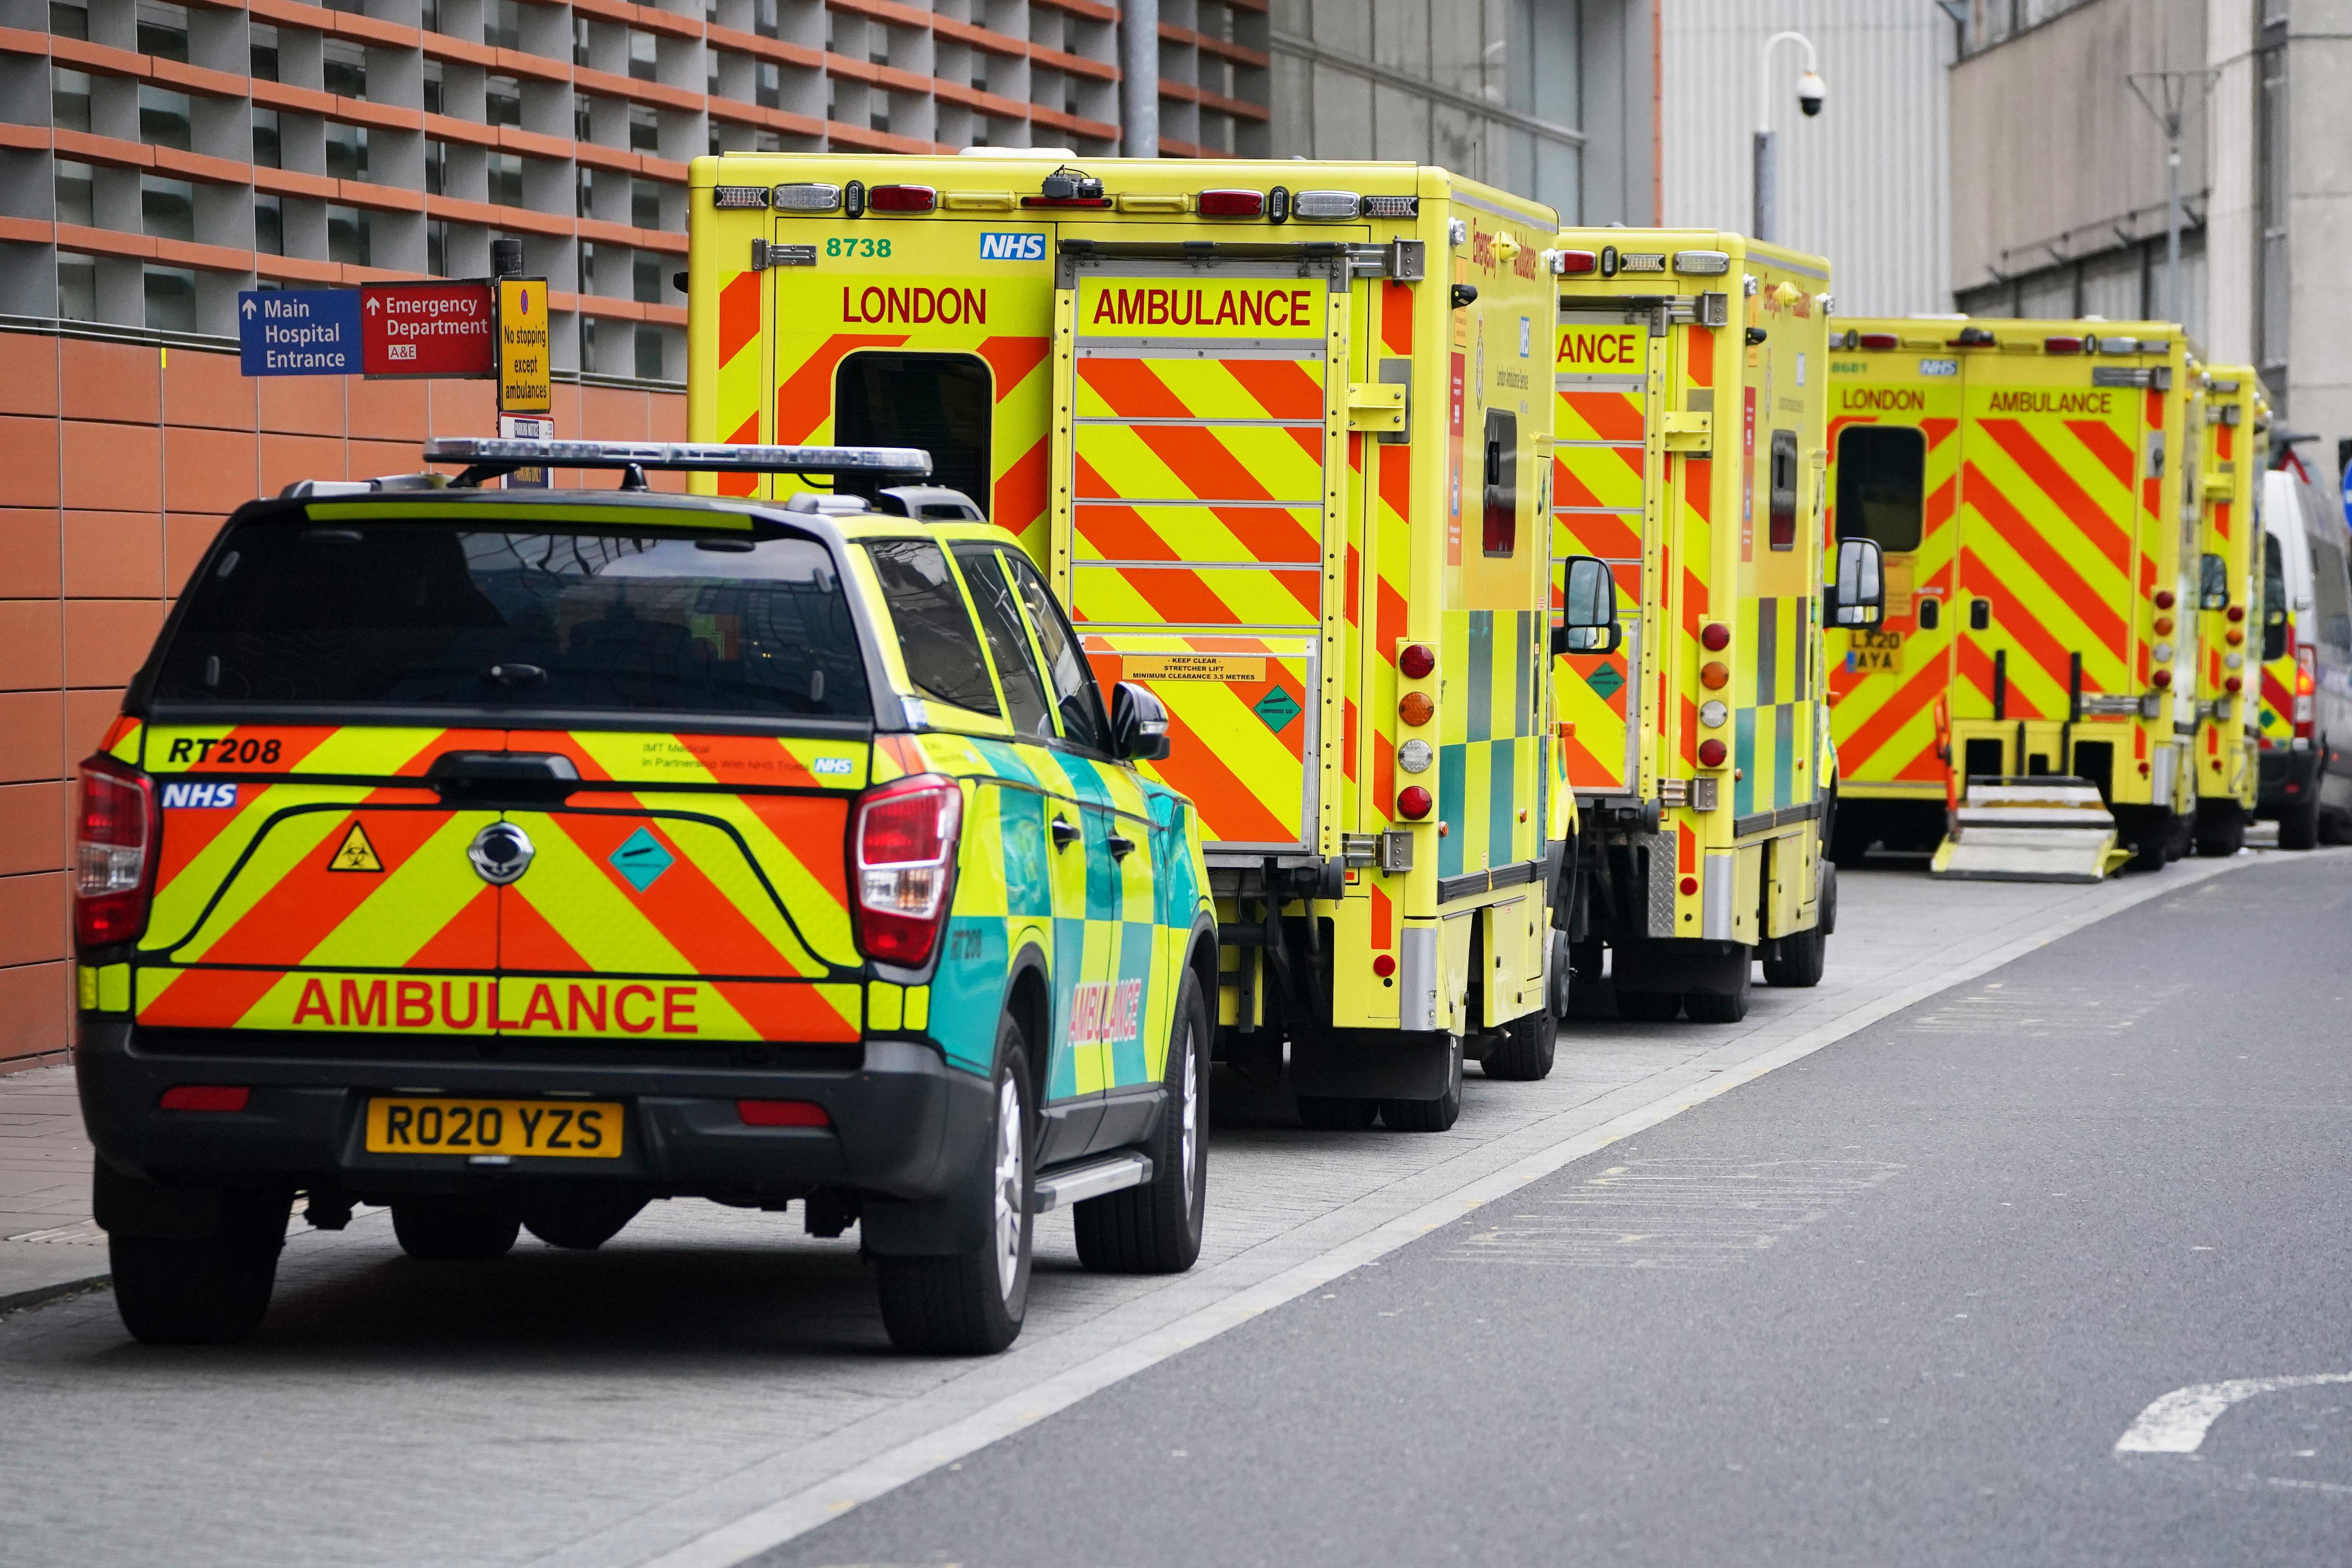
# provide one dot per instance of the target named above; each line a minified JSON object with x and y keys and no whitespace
{"x":1690,"y":383}
{"x":1278,"y":435}
{"x":2033,"y":486}
{"x":2233,"y":456}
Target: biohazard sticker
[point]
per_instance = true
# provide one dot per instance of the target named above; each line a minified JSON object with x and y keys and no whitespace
{"x":355,"y":853}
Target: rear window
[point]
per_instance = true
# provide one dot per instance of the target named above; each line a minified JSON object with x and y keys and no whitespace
{"x":429,"y":614}
{"x":1881,"y":486}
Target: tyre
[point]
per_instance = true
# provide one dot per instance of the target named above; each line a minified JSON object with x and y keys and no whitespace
{"x":2148,"y":850}
{"x":581,"y":1219}
{"x":1337,"y":1112}
{"x":1429,"y":1115}
{"x":1805,"y":954}
{"x":1529,"y":1045}
{"x":1649,"y":1006}
{"x":1560,"y":988}
{"x":473,"y":1229}
{"x":1156,"y":1228}
{"x":972,"y":1303}
{"x":213,"y":1291}
{"x":2299,"y":819}
{"x":2221,"y":834}
{"x":1719,"y":1006}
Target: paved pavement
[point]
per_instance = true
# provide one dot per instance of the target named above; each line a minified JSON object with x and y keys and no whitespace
{"x":1893,"y":1305}
{"x":47,"y":1245}
{"x":714,"y":1382}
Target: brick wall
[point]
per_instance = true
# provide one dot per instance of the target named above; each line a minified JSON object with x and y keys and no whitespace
{"x":121,"y":459}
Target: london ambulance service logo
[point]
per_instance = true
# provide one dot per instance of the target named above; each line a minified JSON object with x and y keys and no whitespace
{"x":500,"y":853}
{"x":1013,"y":248}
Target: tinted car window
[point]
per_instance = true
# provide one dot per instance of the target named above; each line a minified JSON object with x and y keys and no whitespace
{"x":1072,"y":682}
{"x":936,"y":638}
{"x":2333,"y":598}
{"x":2273,"y":600}
{"x":421,"y":613}
{"x":1882,"y":485}
{"x":1000,"y":619}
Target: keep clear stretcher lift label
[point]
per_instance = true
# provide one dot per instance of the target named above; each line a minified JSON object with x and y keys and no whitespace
{"x":425,"y":329}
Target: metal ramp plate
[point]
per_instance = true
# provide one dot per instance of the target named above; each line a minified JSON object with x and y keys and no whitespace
{"x":2042,"y":829}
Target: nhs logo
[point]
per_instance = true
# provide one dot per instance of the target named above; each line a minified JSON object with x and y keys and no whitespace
{"x":1013,"y":248}
{"x":217,"y":796}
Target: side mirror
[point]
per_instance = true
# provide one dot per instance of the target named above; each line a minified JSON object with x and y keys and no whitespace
{"x":2212,"y":584}
{"x":1858,"y":597}
{"x":1588,"y":597}
{"x":1138,"y":724}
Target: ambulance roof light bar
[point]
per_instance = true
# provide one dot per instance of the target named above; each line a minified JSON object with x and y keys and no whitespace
{"x":488,"y":457}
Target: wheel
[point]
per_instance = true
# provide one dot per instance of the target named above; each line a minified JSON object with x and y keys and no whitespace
{"x":972,"y":1303}
{"x":1719,"y":1006}
{"x":2176,"y":843}
{"x":1850,"y":835}
{"x":2334,"y":827}
{"x":2221,"y":835}
{"x":2299,"y":819}
{"x":1530,"y":1045}
{"x":1560,"y":989}
{"x":457,"y":1229}
{"x":1156,"y":1228}
{"x":580,"y":1218}
{"x":2148,"y":851}
{"x":1649,"y":1006}
{"x":1429,"y":1115}
{"x":213,"y":1291}
{"x":1337,"y":1112}
{"x":1805,"y":953}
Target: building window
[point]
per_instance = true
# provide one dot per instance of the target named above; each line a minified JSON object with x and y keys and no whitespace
{"x":587,"y":270}
{"x":763,"y":20}
{"x":645,"y":204}
{"x":436,"y":248}
{"x":76,"y":199}
{"x":770,"y":93}
{"x":346,"y":235}
{"x":503,"y":25}
{"x":580,"y":41}
{"x":163,"y":118}
{"x":347,"y":151}
{"x":647,"y":278}
{"x":501,"y":101}
{"x":68,"y":20}
{"x":265,"y":138}
{"x":433,"y":87}
{"x":506,"y":179}
{"x":345,"y":66}
{"x":649,"y":353}
{"x":269,"y":226}
{"x":69,"y":98}
{"x":645,"y":129}
{"x":170,"y":298}
{"x":2271,"y":206}
{"x":582,"y":119}
{"x":642,"y":55}
{"x":436,"y":168}
{"x":167,"y":208}
{"x":77,"y":286}
{"x":586,"y":199}
{"x":431,"y":20}
{"x":262,"y":48}
{"x":164,"y":30}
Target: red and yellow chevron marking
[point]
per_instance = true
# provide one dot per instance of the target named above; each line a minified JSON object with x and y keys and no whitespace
{"x":1602,"y":391}
{"x":1231,"y":748}
{"x":2235,"y":449}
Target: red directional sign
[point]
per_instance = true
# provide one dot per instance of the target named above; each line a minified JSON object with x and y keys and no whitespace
{"x":426,"y":329}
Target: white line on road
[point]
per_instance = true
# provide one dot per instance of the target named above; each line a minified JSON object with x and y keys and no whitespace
{"x":807,"y":1509}
{"x":2177,"y":1422}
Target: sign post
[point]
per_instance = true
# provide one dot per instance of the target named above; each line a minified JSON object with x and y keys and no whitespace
{"x":307,"y":332}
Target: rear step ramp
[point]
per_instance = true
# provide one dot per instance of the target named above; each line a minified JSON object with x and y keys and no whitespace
{"x":2048,"y":828}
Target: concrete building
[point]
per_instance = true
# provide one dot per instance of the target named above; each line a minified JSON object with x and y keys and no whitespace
{"x":2059,"y":176}
{"x":1865,"y":182}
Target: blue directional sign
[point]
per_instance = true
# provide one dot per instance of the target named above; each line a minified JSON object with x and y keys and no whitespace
{"x":304,"y":331}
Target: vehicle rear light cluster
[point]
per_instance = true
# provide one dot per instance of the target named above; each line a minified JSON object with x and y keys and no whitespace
{"x":1879,"y":341}
{"x":114,"y":852}
{"x":1415,"y":708}
{"x":1229,"y":204}
{"x":781,"y":1113}
{"x":2306,"y":689}
{"x":1711,"y":753}
{"x":901,"y":199}
{"x":1574,"y":263}
{"x":2161,"y":676}
{"x":2062,"y":345}
{"x":1414,"y":803}
{"x":1392,"y":206}
{"x":1326,"y":205}
{"x":1714,"y":637}
{"x":904,"y":866}
{"x":807,"y":197}
{"x":1416,"y":660}
{"x":205,"y":1097}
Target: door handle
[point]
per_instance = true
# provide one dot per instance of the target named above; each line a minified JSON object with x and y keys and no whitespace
{"x":1065,"y":833}
{"x":1120,"y":846}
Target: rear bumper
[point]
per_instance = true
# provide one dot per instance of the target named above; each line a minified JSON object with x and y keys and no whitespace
{"x":2276,"y":770}
{"x":905,"y":1124}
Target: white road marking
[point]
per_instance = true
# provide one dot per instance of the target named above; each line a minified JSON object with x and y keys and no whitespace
{"x":796,"y":1514}
{"x":2176,"y":1423}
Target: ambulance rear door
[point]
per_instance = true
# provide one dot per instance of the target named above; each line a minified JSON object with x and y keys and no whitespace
{"x":1200,"y":486}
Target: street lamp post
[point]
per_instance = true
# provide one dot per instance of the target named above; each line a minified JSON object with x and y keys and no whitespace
{"x":2167,"y":95}
{"x":1810,"y":90}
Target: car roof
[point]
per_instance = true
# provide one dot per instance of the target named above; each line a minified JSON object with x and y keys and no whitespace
{"x":632,"y":508}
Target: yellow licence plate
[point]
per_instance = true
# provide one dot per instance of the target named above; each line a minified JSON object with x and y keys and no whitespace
{"x":1875,"y":652}
{"x":565,"y":1129}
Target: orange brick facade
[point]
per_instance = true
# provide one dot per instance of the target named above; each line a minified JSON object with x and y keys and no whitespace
{"x":121,"y":460}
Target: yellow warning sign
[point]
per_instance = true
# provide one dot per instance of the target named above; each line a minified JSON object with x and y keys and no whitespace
{"x":1231,"y":669}
{"x":524,"y":374}
{"x":356,"y":853}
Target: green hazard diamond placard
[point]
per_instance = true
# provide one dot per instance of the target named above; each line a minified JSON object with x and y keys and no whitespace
{"x":1277,"y":707}
{"x":1605,"y":680}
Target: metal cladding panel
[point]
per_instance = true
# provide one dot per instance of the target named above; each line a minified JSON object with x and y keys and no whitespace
{"x":1865,"y":182}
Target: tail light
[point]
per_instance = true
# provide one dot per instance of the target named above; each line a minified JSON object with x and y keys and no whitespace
{"x":906,"y":844}
{"x":114,"y":853}
{"x":1414,"y":803}
{"x":902,"y":198}
{"x":2062,"y":345}
{"x":1231,"y":203}
{"x":1574,"y":263}
{"x":205,"y":1097}
{"x":2306,"y":688}
{"x":781,"y":1113}
{"x":1416,"y":660}
{"x":1879,"y":341}
{"x":2161,"y":676}
{"x":1711,"y":753}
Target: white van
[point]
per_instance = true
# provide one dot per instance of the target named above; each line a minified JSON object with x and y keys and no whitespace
{"x":2307,"y":662}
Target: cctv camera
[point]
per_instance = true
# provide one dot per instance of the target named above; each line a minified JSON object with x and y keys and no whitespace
{"x":1810,"y":90}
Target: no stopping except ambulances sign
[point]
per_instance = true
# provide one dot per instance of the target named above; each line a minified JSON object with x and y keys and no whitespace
{"x":524,"y":384}
{"x":425,"y":329}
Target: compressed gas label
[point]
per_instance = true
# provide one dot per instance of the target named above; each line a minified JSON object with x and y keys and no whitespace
{"x":1234,"y":669}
